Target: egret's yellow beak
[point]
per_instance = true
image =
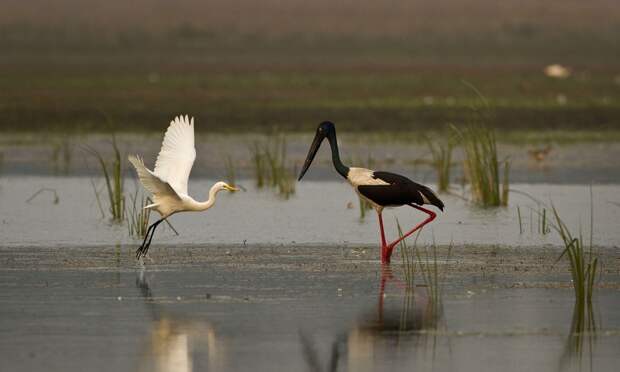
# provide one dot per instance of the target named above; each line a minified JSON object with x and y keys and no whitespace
{"x":231,"y":188}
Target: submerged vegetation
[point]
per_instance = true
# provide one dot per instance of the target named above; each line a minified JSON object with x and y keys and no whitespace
{"x":482,"y":166}
{"x":114,"y":182}
{"x":271,"y":166}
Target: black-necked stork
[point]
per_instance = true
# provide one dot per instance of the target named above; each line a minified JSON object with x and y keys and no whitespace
{"x":381,"y":189}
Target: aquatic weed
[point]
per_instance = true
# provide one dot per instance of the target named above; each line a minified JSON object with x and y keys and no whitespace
{"x":138,"y":216}
{"x":408,"y":257}
{"x":114,"y":181}
{"x":433,"y":278}
{"x":271,"y":166}
{"x":441,"y":152}
{"x":482,"y":166}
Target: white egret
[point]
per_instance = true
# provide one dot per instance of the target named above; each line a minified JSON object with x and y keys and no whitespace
{"x":168,"y":182}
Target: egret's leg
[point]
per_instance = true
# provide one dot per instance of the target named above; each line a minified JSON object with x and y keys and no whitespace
{"x":431,"y":216}
{"x":144,"y":248}
{"x":146,"y":236}
{"x":383,"y":243}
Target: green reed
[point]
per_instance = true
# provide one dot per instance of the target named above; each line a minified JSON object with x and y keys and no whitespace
{"x":114,"y":181}
{"x":408,"y":258}
{"x":137,"y":215}
{"x":482,"y":166}
{"x":441,"y":152}
{"x":271,"y":166}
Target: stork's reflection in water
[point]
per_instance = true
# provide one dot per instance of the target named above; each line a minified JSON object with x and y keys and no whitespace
{"x":407,"y":321}
{"x":175,"y":341}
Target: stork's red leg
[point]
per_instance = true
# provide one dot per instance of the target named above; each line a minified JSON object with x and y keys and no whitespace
{"x":385,"y":258}
{"x":383,"y":242}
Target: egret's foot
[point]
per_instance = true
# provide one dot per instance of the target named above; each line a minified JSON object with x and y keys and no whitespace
{"x":142,"y":251}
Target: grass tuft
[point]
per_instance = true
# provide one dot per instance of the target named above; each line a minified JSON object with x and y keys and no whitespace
{"x":408,"y":256}
{"x":442,"y":162}
{"x":584,"y":268}
{"x":271,"y":166}
{"x":138,"y":216}
{"x":114,"y":182}
{"x":482,"y":166}
{"x":582,"y":260}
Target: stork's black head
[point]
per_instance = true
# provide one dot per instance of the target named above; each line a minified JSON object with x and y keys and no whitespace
{"x":325,"y":129}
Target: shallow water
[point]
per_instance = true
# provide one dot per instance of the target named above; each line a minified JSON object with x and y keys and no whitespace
{"x":296,"y":284}
{"x":316,"y":214}
{"x":300,"y":310}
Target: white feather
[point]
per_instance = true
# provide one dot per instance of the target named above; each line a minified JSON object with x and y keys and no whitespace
{"x":363,"y":176}
{"x":176,"y":157}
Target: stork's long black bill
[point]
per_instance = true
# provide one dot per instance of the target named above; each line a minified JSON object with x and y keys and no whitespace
{"x":316,"y":143}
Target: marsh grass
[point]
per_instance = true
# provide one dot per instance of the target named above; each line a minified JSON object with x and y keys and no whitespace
{"x":137,"y":215}
{"x":584,"y":268}
{"x":114,"y":182}
{"x":538,"y":217}
{"x":408,"y":258}
{"x":424,"y":261}
{"x":433,"y":277}
{"x":583,"y":262}
{"x":543,"y":223}
{"x":441,"y":152}
{"x":482,"y":166}
{"x":271,"y":167}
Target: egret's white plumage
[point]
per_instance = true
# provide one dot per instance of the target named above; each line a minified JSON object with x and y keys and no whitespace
{"x":168,"y":181}
{"x":178,"y":152}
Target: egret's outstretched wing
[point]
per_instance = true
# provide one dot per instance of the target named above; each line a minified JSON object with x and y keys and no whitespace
{"x":177,"y":154}
{"x":151,"y":182}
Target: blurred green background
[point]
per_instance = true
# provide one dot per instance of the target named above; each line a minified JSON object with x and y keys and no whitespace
{"x":109,"y":65}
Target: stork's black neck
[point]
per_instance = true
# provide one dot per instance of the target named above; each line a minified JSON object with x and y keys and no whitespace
{"x":333,"y":143}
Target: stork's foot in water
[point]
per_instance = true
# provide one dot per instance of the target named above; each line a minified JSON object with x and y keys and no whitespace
{"x":386,"y":250}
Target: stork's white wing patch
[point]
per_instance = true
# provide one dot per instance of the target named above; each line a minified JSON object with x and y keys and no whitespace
{"x":363,"y":176}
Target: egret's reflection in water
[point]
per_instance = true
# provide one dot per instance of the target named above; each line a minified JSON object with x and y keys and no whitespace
{"x":174,"y":340}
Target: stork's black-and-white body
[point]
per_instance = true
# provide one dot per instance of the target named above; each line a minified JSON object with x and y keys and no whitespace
{"x":381,"y":189}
